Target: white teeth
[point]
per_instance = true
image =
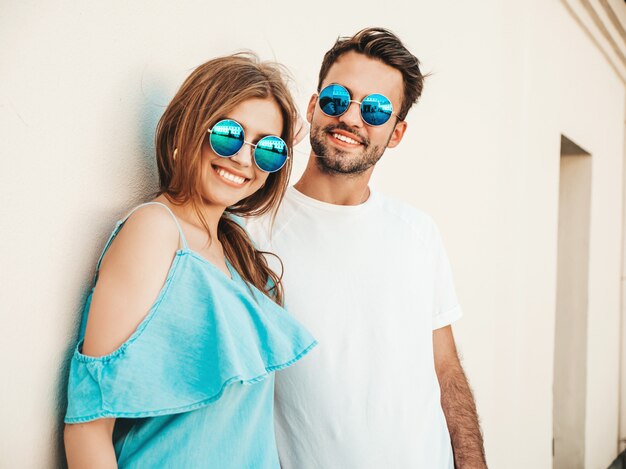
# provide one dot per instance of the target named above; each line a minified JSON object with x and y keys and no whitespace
{"x":343,"y":138}
{"x":231,"y":177}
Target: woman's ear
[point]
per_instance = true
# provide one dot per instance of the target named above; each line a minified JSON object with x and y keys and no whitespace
{"x":300,"y":130}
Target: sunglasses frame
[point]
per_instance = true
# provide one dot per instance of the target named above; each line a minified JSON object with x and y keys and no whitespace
{"x":253,"y":145}
{"x":360,"y":103}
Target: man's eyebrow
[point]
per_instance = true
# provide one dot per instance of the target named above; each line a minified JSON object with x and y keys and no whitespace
{"x":349,"y":91}
{"x":341,"y":84}
{"x":352,"y":95}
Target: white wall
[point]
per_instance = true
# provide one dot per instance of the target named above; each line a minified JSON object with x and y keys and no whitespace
{"x":84,"y":83}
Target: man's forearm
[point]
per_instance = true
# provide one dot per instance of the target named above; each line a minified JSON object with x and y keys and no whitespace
{"x":459,"y":408}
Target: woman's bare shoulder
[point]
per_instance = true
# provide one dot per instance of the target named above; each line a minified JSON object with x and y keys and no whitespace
{"x":132,"y":273}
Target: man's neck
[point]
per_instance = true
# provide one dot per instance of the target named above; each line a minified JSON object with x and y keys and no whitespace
{"x":338,"y":189}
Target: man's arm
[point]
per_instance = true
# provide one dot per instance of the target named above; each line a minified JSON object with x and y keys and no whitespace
{"x":458,"y":404}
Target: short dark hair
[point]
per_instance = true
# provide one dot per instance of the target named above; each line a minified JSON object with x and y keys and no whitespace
{"x":381,"y":44}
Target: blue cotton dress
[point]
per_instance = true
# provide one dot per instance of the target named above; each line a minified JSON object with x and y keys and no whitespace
{"x":193,"y":387}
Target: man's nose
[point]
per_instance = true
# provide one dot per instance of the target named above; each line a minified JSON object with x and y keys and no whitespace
{"x":352,"y":116}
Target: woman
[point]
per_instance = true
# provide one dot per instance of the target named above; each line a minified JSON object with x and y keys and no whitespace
{"x":183,"y":328}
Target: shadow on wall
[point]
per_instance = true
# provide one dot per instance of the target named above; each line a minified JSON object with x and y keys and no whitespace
{"x":153,"y":104}
{"x":143,"y":179}
{"x":61,"y":401}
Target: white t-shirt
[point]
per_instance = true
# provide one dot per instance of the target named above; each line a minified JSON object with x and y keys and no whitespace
{"x":370,"y":282}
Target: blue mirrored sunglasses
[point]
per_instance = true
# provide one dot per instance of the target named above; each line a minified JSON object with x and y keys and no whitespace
{"x":376,"y":109}
{"x":227,"y":139}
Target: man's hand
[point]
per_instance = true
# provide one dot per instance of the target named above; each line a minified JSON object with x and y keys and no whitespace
{"x":458,"y":404}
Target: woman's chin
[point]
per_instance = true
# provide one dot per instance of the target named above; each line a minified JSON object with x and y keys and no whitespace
{"x":222,"y":199}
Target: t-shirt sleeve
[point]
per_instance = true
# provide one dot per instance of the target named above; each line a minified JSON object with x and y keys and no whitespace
{"x":446,"y":308}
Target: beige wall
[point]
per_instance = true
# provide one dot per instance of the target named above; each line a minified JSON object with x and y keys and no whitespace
{"x":84,"y":83}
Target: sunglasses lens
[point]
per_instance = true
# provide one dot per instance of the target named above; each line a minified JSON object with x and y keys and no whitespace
{"x":270,"y":153}
{"x":226,"y":138}
{"x":376,"y":109}
{"x":334,"y":100}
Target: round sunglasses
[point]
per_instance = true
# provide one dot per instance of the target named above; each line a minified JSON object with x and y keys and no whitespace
{"x":227,"y":139}
{"x":376,"y":109}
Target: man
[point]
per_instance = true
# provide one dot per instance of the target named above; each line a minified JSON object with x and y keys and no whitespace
{"x":369,"y":278}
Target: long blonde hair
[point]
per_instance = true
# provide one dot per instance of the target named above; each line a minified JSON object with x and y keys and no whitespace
{"x":209,"y":93}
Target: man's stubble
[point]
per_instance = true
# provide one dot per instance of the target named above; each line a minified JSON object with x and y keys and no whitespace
{"x":335,"y":161}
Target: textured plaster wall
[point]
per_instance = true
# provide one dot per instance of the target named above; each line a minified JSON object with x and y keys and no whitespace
{"x":84,"y":83}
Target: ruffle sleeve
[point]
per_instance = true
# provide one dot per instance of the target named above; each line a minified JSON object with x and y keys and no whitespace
{"x":204,"y":333}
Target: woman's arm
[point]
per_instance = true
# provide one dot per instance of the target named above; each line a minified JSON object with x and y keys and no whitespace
{"x":89,"y":445}
{"x":132,"y":273}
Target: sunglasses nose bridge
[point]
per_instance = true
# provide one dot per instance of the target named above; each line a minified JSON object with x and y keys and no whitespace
{"x":352,"y":115}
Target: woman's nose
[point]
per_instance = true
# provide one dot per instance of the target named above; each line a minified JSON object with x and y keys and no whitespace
{"x":244,"y":157}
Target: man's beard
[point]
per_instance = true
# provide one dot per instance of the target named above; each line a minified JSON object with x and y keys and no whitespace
{"x":336,"y":161}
